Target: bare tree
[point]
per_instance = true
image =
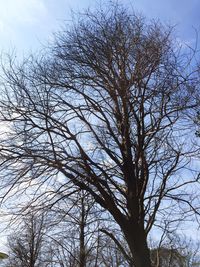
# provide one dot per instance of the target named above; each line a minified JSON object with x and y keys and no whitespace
{"x":177,"y":250}
{"x":75,"y":234}
{"x":110,"y":255}
{"x":165,"y":257}
{"x":26,"y":245}
{"x":58,"y":238}
{"x":106,"y":109}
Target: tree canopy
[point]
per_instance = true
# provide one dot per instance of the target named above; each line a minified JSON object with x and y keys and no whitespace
{"x":107,"y":109}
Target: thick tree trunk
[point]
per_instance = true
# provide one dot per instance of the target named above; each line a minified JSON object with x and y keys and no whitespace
{"x":136,"y":239}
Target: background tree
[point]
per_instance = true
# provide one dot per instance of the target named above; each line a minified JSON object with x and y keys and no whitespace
{"x":76,"y":230}
{"x":26,"y":245}
{"x":57,"y":238}
{"x":106,"y":109}
{"x":176,"y":250}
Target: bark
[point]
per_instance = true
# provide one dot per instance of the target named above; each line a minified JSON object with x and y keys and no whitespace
{"x":82,"y":256}
{"x":138,"y":246}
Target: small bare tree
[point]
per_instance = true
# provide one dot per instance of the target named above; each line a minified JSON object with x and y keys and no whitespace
{"x":176,"y":250}
{"x":75,"y":236}
{"x":26,"y":245}
{"x":106,"y":109}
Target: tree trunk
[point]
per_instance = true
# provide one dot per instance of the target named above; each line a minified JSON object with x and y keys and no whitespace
{"x":82,"y":255}
{"x":136,"y":239}
{"x":82,"y":250}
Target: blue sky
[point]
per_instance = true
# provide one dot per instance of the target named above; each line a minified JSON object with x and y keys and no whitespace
{"x":26,"y":25}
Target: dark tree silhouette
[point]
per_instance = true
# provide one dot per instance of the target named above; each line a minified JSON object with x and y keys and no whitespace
{"x":106,"y":109}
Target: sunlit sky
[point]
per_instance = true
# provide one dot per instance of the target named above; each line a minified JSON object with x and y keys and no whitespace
{"x":27,"y":25}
